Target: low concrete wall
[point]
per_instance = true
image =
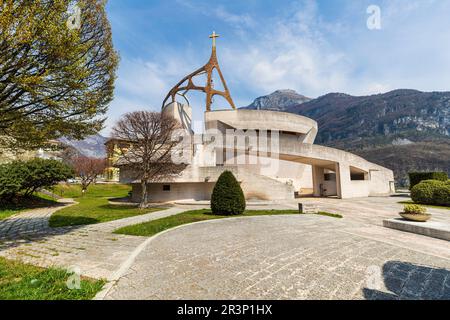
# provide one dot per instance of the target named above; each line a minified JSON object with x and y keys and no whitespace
{"x":360,"y":189}
{"x":178,"y":191}
{"x":253,"y":185}
{"x":430,"y":229}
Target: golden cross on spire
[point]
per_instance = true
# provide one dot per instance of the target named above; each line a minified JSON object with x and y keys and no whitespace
{"x":214,"y":36}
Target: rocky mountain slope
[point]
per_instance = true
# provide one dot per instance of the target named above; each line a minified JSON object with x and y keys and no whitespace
{"x":404,"y":130}
{"x":278,"y":101}
{"x":92,"y":146}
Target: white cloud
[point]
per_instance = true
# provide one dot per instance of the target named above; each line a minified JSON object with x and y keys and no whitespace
{"x":302,"y":51}
{"x":291,"y":52}
{"x":236,"y":19}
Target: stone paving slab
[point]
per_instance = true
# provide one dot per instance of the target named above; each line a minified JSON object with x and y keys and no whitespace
{"x":280,"y":257}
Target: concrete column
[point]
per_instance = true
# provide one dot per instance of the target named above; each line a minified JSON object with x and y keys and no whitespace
{"x":343,"y":181}
{"x":318,"y":179}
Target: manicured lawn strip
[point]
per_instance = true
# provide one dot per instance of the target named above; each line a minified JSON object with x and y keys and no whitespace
{"x":156,"y":226}
{"x":331,"y":215}
{"x":94,"y":191}
{"x":92,"y":211}
{"x":37,"y":201}
{"x":94,"y":207}
{"x":19,"y":281}
{"x":425,"y":205}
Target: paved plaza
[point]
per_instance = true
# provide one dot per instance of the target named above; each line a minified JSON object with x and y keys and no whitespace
{"x":280,"y":257}
{"x":266,"y":257}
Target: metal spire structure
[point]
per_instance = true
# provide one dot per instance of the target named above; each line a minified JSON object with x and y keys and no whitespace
{"x":187,"y":83}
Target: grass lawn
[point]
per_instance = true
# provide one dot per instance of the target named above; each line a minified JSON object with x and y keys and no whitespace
{"x":156,"y":226}
{"x":37,"y":201}
{"x":19,"y":281}
{"x":94,"y":207}
{"x":425,"y":205}
{"x":331,"y":215}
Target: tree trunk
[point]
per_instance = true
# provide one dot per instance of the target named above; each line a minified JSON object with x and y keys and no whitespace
{"x":144,"y":194}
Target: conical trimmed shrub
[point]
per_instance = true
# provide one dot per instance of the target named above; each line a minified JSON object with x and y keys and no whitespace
{"x":227,"y":197}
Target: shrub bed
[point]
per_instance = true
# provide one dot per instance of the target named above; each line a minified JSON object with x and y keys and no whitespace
{"x":20,"y":178}
{"x":417,"y":177}
{"x":432,"y":192}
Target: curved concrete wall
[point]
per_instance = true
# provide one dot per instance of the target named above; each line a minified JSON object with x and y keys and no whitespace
{"x":299,"y":163}
{"x":300,"y":149}
{"x":264,"y":120}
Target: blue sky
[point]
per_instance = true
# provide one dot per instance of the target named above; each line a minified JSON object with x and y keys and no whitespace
{"x":313,"y":47}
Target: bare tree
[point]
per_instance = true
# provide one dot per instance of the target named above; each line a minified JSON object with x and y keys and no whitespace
{"x":88,"y":169}
{"x":149,"y":136}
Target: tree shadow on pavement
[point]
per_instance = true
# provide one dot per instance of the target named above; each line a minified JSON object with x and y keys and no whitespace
{"x":407,"y":281}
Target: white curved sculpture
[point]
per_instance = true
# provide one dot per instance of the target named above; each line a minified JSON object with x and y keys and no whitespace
{"x":288,"y":164}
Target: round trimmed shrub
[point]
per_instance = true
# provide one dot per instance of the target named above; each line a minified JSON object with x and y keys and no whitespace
{"x":425,"y":191}
{"x":441,"y":195}
{"x":227,"y":197}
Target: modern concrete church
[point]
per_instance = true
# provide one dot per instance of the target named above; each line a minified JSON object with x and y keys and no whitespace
{"x":272,"y":154}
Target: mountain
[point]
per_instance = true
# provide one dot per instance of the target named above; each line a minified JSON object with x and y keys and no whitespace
{"x":92,"y":146}
{"x":405,"y":130}
{"x":379,"y":119}
{"x":278,"y":101}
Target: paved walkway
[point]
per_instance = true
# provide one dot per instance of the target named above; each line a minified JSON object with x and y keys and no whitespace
{"x":282,"y":257}
{"x":94,"y":249}
{"x":30,"y":223}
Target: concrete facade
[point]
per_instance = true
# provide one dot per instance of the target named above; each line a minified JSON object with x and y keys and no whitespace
{"x":273,"y":156}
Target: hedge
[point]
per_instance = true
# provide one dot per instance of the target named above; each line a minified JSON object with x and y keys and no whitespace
{"x":20,"y":178}
{"x":441,"y":195}
{"x":416,"y":177}
{"x":433,"y":192}
{"x":227,"y":197}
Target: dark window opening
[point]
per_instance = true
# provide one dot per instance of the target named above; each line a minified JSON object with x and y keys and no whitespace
{"x":358,"y":176}
{"x":166,"y":187}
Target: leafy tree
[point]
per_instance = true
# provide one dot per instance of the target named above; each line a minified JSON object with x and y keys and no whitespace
{"x":56,"y":77}
{"x":227,"y":197}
